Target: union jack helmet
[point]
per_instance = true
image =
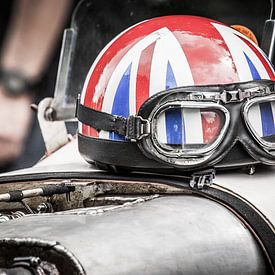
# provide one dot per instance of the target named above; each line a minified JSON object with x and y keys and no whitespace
{"x":158,"y":55}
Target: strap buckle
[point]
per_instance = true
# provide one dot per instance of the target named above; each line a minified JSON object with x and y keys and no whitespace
{"x":137,"y":128}
{"x":202,"y":178}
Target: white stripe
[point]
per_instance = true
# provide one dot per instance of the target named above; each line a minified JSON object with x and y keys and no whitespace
{"x":133,"y":80}
{"x":80,"y":127}
{"x":192,"y":126}
{"x":161,"y":129}
{"x":254,"y":118}
{"x":104,"y":134}
{"x":168,"y":49}
{"x":237,"y":47}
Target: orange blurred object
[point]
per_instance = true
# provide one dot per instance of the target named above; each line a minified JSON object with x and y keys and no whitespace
{"x":246,"y":31}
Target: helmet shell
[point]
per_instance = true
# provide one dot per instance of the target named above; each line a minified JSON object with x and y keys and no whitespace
{"x":163,"y":53}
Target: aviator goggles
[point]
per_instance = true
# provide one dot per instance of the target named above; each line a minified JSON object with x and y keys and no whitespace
{"x":197,"y":126}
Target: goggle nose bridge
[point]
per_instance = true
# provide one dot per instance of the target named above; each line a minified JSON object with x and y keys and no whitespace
{"x":240,"y":95}
{"x":230,"y":96}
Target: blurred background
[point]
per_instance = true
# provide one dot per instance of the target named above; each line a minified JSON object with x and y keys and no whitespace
{"x":30,"y":41}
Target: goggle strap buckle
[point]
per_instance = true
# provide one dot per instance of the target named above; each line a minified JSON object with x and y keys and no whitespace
{"x":202,"y":178}
{"x":137,"y":128}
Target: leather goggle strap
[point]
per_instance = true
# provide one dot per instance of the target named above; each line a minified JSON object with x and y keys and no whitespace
{"x":101,"y":120}
{"x":133,"y":128}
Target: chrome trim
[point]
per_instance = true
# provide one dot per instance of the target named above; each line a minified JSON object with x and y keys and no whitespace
{"x":186,"y":156}
{"x":226,"y":96}
{"x":145,"y":127}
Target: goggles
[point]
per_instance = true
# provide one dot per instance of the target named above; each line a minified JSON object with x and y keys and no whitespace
{"x":196,"y":126}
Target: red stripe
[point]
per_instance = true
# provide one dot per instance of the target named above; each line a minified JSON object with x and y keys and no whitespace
{"x":206,"y":52}
{"x":89,"y":131}
{"x":143,"y":75}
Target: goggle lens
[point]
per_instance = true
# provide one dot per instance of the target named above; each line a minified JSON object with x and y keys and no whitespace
{"x":189,"y":128}
{"x":261,"y":118}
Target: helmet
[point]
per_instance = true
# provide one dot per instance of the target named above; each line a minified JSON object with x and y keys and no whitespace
{"x":155,"y":73}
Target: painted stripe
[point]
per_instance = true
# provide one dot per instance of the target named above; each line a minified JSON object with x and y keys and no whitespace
{"x":93,"y":132}
{"x":121,"y":101}
{"x":253,"y":70}
{"x":104,"y":135}
{"x":168,"y":49}
{"x":236,"y":51}
{"x":267,"y":119}
{"x":256,"y":56}
{"x":132,"y":85}
{"x":143,"y":75}
{"x":174,"y":129}
{"x":208,"y":55}
{"x":260,"y":54}
{"x":193,"y":126}
{"x":254,"y":117}
{"x":170,"y":78}
{"x":237,"y":46}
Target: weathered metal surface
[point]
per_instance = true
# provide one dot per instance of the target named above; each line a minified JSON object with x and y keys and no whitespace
{"x":174,"y":234}
{"x":167,"y":235}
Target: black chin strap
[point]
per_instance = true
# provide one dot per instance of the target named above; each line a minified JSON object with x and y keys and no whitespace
{"x":133,"y":128}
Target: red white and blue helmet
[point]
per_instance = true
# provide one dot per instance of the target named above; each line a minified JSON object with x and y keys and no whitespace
{"x":158,"y":55}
